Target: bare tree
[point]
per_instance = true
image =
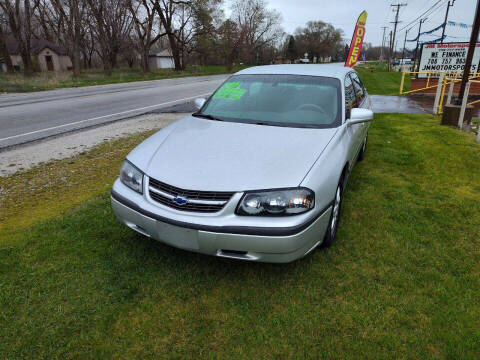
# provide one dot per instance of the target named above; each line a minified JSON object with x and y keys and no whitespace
{"x":168,"y":12}
{"x":259,"y":25}
{"x":143,"y":14}
{"x":3,"y":48}
{"x":88,"y":46}
{"x":185,"y":34}
{"x":97,"y":10}
{"x":112,"y":25}
{"x":102,"y":30}
{"x":176,"y":17}
{"x":131,"y":50}
{"x":19,"y":19}
{"x":49,"y":24}
{"x":63,"y":20}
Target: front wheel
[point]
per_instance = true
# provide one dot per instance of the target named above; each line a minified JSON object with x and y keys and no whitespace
{"x":334,"y":218}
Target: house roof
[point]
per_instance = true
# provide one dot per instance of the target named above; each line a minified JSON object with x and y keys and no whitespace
{"x":161,"y":53}
{"x":36,"y":45}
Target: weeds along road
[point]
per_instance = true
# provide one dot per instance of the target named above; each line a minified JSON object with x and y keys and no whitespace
{"x":33,"y":116}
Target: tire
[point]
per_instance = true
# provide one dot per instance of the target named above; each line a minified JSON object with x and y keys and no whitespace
{"x":334,"y":217}
{"x":361,"y":155}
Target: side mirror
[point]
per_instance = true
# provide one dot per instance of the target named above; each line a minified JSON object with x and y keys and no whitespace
{"x":199,"y":103}
{"x":358,"y":115}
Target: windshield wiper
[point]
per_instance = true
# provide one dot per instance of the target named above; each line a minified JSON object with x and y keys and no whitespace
{"x":207,"y":116}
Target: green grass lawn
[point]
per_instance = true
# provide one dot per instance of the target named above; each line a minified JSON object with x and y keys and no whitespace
{"x":381,"y":81}
{"x":53,"y":80}
{"x":401,"y":281}
{"x":476,"y":125}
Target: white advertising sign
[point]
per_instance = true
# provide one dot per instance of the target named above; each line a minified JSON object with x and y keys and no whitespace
{"x":447,"y":57}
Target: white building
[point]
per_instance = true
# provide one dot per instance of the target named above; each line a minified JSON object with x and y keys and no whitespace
{"x":161,"y":59}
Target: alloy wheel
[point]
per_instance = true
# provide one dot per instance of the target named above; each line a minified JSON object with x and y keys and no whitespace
{"x":336,"y":211}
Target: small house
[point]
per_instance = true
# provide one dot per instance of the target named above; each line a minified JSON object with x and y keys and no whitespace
{"x":47,"y":55}
{"x":161,"y":59}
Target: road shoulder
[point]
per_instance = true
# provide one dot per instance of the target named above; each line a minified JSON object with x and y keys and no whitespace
{"x":27,"y":156}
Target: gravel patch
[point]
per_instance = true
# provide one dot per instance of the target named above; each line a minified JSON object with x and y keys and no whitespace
{"x":27,"y":156}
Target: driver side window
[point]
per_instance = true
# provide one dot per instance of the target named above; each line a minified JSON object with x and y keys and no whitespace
{"x":350,"y":99}
{"x":359,"y":89}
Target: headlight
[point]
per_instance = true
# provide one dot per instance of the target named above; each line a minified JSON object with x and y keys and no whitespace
{"x":131,"y":176}
{"x":276,"y":202}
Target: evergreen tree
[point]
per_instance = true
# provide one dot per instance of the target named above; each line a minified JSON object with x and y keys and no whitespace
{"x":291,"y":53}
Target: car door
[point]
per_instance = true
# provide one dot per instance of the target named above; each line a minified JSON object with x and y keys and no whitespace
{"x":363,"y":101}
{"x":353,"y":132}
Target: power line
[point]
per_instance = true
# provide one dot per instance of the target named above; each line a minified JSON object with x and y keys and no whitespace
{"x":422,"y":15}
{"x":430,"y":15}
{"x":425,"y":6}
{"x":442,"y":25}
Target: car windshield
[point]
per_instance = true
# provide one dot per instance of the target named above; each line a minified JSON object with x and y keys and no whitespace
{"x":279,"y":100}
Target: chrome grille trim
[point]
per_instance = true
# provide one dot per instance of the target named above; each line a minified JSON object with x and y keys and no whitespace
{"x":198,"y":201}
{"x":190,"y":201}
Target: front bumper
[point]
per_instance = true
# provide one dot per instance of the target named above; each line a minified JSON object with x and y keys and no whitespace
{"x":269,"y":244}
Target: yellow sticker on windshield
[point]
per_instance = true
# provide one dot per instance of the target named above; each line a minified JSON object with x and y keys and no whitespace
{"x":230,"y":91}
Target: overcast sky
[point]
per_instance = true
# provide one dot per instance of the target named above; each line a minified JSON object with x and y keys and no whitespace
{"x":343,"y":14}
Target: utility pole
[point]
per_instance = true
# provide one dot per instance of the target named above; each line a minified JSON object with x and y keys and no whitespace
{"x":450,"y":3}
{"x":390,"y":50}
{"x":471,"y":49}
{"x":404,"y":43}
{"x":383,"y":42}
{"x":418,"y":37}
{"x":398,"y":6}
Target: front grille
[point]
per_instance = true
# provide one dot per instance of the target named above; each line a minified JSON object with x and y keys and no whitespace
{"x":198,"y":201}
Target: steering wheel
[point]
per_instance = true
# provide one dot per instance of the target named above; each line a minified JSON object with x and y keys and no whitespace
{"x":314,"y":107}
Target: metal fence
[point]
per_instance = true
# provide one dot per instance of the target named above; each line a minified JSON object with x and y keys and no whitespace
{"x":450,"y":83}
{"x":429,"y":76}
{"x":445,"y":79}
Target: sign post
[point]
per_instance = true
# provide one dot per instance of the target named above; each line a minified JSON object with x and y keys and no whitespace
{"x":464,"y":106}
{"x":438,"y":94}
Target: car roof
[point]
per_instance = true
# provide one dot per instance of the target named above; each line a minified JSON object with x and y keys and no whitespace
{"x":336,"y":70}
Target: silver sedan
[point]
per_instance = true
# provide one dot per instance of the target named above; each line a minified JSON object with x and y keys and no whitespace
{"x":258,"y":172}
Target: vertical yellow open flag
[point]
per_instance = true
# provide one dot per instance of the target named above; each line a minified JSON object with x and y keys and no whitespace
{"x":357,"y":40}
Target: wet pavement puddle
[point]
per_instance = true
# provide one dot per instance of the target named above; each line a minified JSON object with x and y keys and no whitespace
{"x":407,"y":104}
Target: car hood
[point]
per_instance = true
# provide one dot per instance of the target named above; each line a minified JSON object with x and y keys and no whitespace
{"x":201,"y":154}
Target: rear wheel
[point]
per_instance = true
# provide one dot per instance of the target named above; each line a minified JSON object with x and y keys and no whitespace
{"x":334,"y":217}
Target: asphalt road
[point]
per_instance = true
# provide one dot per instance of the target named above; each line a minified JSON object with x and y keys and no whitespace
{"x":33,"y":116}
